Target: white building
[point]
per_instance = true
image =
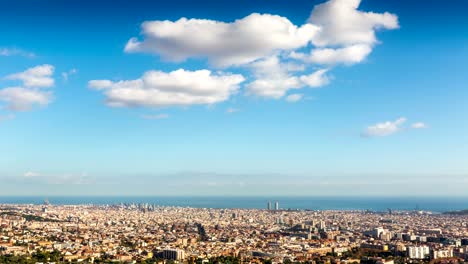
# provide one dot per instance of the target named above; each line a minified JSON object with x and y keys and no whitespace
{"x":418,"y":252}
{"x":442,"y":253}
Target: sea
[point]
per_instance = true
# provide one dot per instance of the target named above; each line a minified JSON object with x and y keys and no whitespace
{"x":377,"y":204}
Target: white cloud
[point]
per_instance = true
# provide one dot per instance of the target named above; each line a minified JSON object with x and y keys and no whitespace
{"x":39,"y":76}
{"x":232,"y":110}
{"x":292,"y":98}
{"x":66,"y":75}
{"x":6,"y":117}
{"x":273,"y":88}
{"x":24,"y":99}
{"x":273,"y":79}
{"x":316,"y":79}
{"x":385,"y":128}
{"x":224,"y":44}
{"x":155,"y":117}
{"x":336,"y":33}
{"x":342,"y":24}
{"x":418,"y":125}
{"x":348,"y":55}
{"x":100,"y":84}
{"x":62,"y":179}
{"x":30,"y":94}
{"x":31,"y":174}
{"x":7,"y":52}
{"x":176,"y":88}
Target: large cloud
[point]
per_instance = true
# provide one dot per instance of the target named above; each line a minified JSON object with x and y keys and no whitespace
{"x":176,"y":88}
{"x":30,"y":93}
{"x":341,"y":24}
{"x":224,"y":44}
{"x":335,"y":33}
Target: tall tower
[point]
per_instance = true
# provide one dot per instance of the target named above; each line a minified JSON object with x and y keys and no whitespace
{"x":276,"y":206}
{"x":269,"y":205}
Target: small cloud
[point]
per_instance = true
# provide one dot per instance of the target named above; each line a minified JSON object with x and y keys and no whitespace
{"x":155,"y":117}
{"x":232,"y":110}
{"x":8,"y":52}
{"x":419,"y":125}
{"x":6,"y":117}
{"x":66,"y":75}
{"x":30,"y":174}
{"x":384,"y":129}
{"x":292,"y":98}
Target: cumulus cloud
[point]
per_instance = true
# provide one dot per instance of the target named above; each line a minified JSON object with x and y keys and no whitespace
{"x":385,"y":128}
{"x":224,"y":44}
{"x":31,"y":93}
{"x":39,"y":76}
{"x":24,"y":99}
{"x":176,"y":88}
{"x":341,"y":24}
{"x":336,"y":33}
{"x":292,"y":98}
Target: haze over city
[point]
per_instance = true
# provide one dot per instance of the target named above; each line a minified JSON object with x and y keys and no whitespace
{"x":236,"y":98}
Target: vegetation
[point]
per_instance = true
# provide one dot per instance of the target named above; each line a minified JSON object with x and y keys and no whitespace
{"x":30,"y":217}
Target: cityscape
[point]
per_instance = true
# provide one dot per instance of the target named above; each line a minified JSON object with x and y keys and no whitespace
{"x":148,"y":233}
{"x":234,"y":131}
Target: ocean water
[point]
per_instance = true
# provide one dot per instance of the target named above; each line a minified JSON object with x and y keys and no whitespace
{"x":434,"y":204}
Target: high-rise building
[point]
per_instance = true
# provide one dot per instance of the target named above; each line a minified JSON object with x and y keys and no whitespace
{"x":269,"y":205}
{"x":276,"y":206}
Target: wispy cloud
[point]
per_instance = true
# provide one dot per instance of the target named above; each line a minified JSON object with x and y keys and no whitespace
{"x":35,"y":177}
{"x":8,"y":52}
{"x":391,"y":127}
{"x":385,"y":128}
{"x":419,"y":125}
{"x":67,"y":74}
{"x":155,"y":117}
{"x":232,"y":110}
{"x":29,"y":174}
{"x":6,"y":117}
{"x":293,"y":98}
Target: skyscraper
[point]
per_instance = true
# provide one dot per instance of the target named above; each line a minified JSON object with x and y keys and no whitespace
{"x":276,"y":206}
{"x":269,"y":205}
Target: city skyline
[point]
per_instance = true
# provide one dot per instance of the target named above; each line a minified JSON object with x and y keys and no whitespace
{"x":338,"y":97}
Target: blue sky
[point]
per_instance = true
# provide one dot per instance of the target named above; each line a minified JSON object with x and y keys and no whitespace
{"x":252,"y":98}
